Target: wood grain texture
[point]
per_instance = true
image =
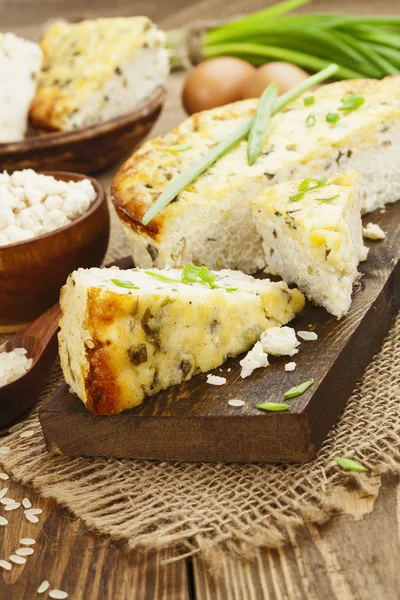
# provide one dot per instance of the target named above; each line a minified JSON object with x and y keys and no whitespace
{"x":342,"y":560}
{"x":32,"y":272}
{"x":87,"y":150}
{"x":85,"y":565}
{"x":194,"y":422}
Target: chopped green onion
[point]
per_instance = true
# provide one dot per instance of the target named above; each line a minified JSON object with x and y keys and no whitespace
{"x":310,"y":121}
{"x":351,"y":102}
{"x":309,"y":100}
{"x":124,"y":283}
{"x":178,"y":148}
{"x":184,"y":179}
{"x":260,"y":123}
{"x":298,"y":390}
{"x":163,"y":277}
{"x":349,"y":464}
{"x":190,"y":274}
{"x":296,"y":196}
{"x":332,"y":117}
{"x":312,"y":183}
{"x":328,"y":198}
{"x":273,"y":406}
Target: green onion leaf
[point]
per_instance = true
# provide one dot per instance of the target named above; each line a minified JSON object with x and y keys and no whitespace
{"x":328,"y":198}
{"x":184,"y":179}
{"x":298,"y":390}
{"x":296,"y":196}
{"x":124,"y":283}
{"x":273,"y":406}
{"x":351,"y":102}
{"x":332,"y":118}
{"x":163,"y":277}
{"x":312,"y":183}
{"x":310,"y":121}
{"x":190,"y":274}
{"x":260,"y":123}
{"x":349,"y":464}
{"x":309,"y":100}
{"x":178,"y":148}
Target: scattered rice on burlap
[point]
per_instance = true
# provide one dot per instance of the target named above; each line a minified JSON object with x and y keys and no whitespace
{"x":209,"y":509}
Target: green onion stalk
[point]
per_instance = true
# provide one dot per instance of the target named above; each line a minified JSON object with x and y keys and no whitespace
{"x":360,"y":46}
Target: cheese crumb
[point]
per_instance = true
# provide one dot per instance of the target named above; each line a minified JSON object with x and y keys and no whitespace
{"x":254,"y":359}
{"x":373,"y":232}
{"x":215,"y":380}
{"x":307,"y":336}
{"x":279,"y":341}
{"x":290,"y":366}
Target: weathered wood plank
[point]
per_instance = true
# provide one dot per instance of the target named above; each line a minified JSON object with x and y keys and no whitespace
{"x":349,"y":558}
{"x":83,"y":564}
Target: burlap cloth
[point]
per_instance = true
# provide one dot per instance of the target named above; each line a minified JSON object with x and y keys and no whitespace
{"x":215,"y":508}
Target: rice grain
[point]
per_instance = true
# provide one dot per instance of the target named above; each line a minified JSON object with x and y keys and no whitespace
{"x":12,"y":506}
{"x":43,"y":587}
{"x":33,"y":511}
{"x":3,"y":492}
{"x":27,"y":541}
{"x":58,"y":594}
{"x":3,"y":521}
{"x":4,"y":449}
{"x":32,"y":518}
{"x":4,"y":476}
{"x":24,"y":551}
{"x":27,"y":434}
{"x":26,"y":503}
{"x":18,"y":560}
{"x":4,"y":564}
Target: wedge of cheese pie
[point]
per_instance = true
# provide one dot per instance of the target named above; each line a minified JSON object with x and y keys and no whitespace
{"x":311,"y":232}
{"x":353,"y":125}
{"x":125,"y":335}
{"x":96,"y":70}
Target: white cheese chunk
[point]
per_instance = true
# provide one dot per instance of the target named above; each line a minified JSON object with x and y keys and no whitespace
{"x":20,"y":64}
{"x":373,"y":232}
{"x":256,"y":358}
{"x":290,"y":366}
{"x":280,"y":341}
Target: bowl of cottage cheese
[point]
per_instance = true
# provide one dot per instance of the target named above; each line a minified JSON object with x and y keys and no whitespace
{"x":50,"y":224}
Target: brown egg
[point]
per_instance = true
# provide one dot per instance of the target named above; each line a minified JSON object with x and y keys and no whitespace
{"x":284,"y":74}
{"x":215,"y":82}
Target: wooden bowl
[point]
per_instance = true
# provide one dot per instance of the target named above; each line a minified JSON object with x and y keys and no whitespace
{"x":33,"y":271}
{"x":87,"y":150}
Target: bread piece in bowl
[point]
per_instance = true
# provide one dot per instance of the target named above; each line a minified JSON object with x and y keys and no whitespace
{"x":127,"y":334}
{"x":211,"y":222}
{"x":96,"y":70}
{"x":314,"y":239}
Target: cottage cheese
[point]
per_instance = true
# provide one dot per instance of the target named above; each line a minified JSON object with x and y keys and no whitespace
{"x":20,"y":64}
{"x":13,"y":365}
{"x":290,"y":366}
{"x":280,"y":341}
{"x":256,"y":358}
{"x":373,"y":232}
{"x":33,"y":204}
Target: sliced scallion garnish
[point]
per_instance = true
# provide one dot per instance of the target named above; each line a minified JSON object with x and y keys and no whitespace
{"x":178,"y":148}
{"x":351,"y":103}
{"x":310,"y":121}
{"x":184,"y":179}
{"x":260,"y":123}
{"x":273,"y":406}
{"x":348,"y":464}
{"x":309,"y":101}
{"x":192,"y":274}
{"x":124,"y":283}
{"x":162,"y":277}
{"x":332,"y":118}
{"x":308,"y":185}
{"x":328,"y":198}
{"x":298,"y":390}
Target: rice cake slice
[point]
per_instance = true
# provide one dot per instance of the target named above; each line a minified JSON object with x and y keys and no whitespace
{"x":314,"y":240}
{"x":118,"y":345}
{"x":20,"y":64}
{"x":210,"y":222}
{"x":96,"y":70}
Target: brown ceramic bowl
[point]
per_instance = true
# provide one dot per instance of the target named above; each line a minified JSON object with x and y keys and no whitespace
{"x":87,"y":150}
{"x":33,"y":271}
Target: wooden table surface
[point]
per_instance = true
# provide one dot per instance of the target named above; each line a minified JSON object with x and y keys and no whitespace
{"x":355,"y":556}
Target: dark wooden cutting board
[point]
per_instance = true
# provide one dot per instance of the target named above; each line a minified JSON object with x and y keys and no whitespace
{"x":194,"y":422}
